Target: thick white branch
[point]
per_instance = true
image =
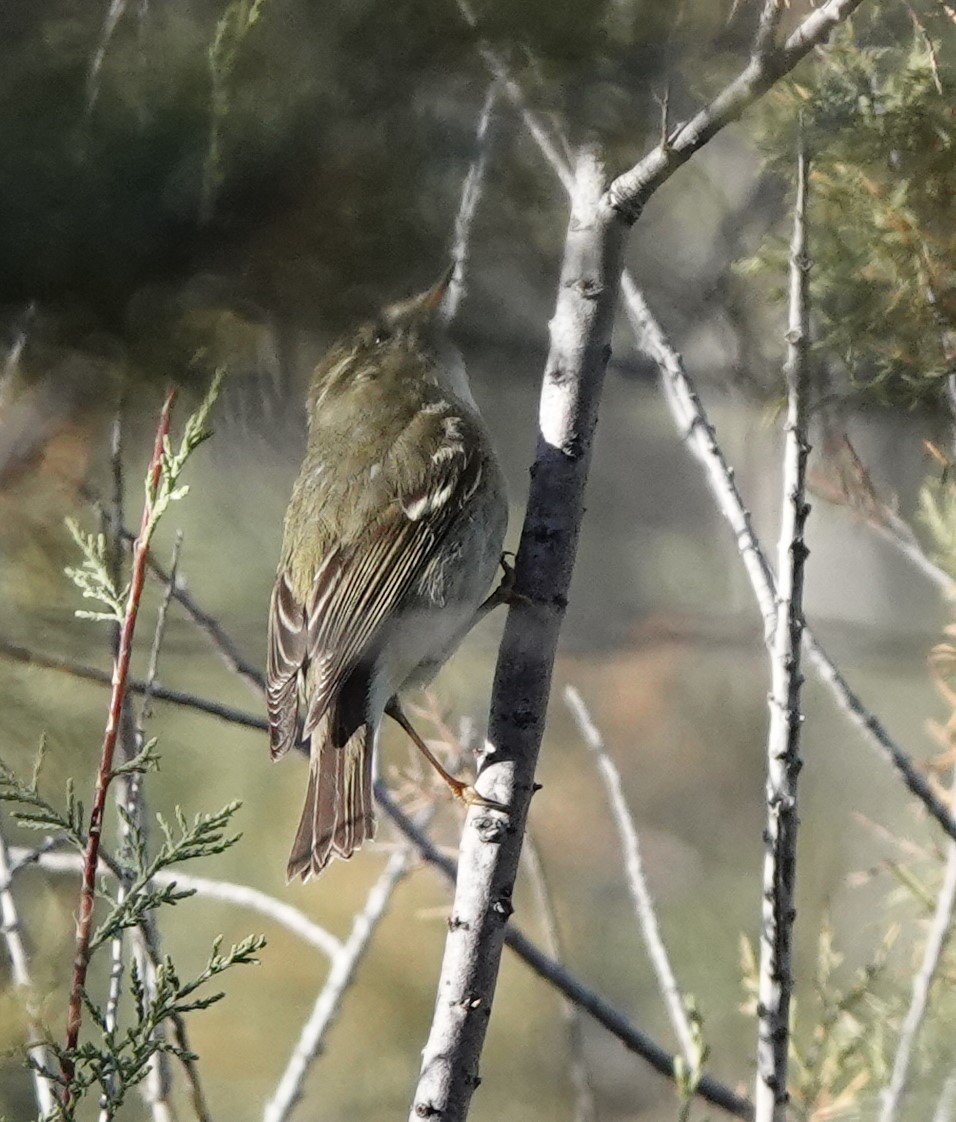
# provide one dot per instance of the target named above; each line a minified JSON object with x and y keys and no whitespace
{"x":775,"y":985}
{"x":491,"y":843}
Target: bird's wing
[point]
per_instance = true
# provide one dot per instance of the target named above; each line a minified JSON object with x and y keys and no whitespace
{"x":427,"y":480}
{"x":285,"y":657}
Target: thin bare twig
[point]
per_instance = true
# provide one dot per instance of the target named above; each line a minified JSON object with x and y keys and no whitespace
{"x":241,"y":895}
{"x":114,"y":13}
{"x":20,"y":972}
{"x":607,"y":1016}
{"x":936,"y":939}
{"x":585,"y":1108}
{"x":157,"y":1087}
{"x":470,"y":197}
{"x":229,"y":713}
{"x":345,"y":963}
{"x":775,"y":982}
{"x":636,"y":881}
{"x":104,"y":776}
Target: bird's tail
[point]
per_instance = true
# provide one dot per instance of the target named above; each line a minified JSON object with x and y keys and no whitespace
{"x":339,"y":811}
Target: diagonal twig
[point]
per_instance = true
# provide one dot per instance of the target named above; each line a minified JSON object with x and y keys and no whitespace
{"x":633,"y":1038}
{"x":636,"y":881}
{"x":345,"y":963}
{"x":241,"y":895}
{"x":629,"y":192}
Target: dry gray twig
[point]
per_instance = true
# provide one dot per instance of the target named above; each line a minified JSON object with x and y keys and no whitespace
{"x":585,"y":1108}
{"x":936,"y":939}
{"x":636,"y":881}
{"x":345,"y":962}
{"x":470,"y":197}
{"x":775,"y":982}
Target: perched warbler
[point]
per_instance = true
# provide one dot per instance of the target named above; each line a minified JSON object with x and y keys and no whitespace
{"x":392,"y":537}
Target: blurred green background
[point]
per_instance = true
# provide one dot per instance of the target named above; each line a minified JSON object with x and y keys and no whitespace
{"x":218,"y":184}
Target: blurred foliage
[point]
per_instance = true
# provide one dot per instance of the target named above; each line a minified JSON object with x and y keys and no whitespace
{"x":877,"y":114}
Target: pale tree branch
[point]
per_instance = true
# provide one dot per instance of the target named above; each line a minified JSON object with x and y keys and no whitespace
{"x":557,"y":151}
{"x":636,"y":881}
{"x":946,"y":1107}
{"x":491,"y":842}
{"x":936,"y":939}
{"x":470,"y":197}
{"x":20,"y":972}
{"x":629,"y":193}
{"x":585,"y":1109}
{"x":775,"y":982}
{"x":240,"y":895}
{"x":767,"y":26}
{"x":342,"y":972}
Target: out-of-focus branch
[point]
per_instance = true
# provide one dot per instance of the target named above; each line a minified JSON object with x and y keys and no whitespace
{"x":936,"y":939}
{"x":585,"y":1109}
{"x":241,"y":895}
{"x":636,"y":881}
{"x":767,"y":28}
{"x":28,"y":657}
{"x":629,"y":193}
{"x":854,"y":488}
{"x":470,"y":197}
{"x":345,"y":963}
{"x":775,"y":982}
{"x":20,"y":973}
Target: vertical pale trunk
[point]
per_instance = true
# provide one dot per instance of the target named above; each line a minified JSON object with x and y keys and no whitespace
{"x":491,"y":845}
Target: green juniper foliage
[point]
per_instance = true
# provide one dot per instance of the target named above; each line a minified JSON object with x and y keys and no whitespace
{"x":112,"y":1058}
{"x":879,"y":123}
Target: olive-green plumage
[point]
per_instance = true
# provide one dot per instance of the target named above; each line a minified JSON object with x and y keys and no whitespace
{"x":392,"y":537}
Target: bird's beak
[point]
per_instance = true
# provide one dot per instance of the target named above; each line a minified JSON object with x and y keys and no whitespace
{"x":432,"y":299}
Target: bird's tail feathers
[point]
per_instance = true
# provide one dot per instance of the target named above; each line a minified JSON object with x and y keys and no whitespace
{"x":339,"y":813}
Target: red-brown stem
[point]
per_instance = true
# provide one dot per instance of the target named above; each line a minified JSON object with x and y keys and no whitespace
{"x":84,"y":923}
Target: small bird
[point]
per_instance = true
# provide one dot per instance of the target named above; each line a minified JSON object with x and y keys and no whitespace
{"x":392,"y":538}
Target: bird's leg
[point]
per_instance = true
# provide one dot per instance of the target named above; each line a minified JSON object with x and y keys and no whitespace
{"x":503,"y":594}
{"x":464,"y":792}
